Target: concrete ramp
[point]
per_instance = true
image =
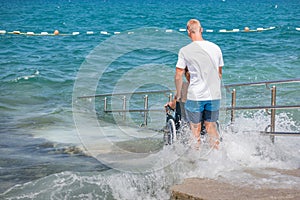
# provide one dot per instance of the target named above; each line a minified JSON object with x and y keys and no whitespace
{"x":207,"y":189}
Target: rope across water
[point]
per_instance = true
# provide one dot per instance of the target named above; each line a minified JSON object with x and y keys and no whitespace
{"x":57,"y":33}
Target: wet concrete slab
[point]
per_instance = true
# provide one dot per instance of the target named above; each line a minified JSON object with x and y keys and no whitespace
{"x":207,"y":189}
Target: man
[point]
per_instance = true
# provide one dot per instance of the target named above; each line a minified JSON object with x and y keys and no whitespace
{"x":204,"y":61}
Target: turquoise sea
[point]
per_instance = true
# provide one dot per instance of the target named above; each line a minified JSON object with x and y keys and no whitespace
{"x":54,"y":145}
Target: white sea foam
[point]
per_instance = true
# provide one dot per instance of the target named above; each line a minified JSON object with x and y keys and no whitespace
{"x":243,"y":143}
{"x":246,"y":157}
{"x":27,"y":77}
{"x":120,"y":185}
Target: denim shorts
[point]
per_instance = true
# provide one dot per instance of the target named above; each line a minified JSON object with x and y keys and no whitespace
{"x":198,"y":111}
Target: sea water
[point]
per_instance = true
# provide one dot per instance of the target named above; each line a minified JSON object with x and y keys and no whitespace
{"x":55,"y":145}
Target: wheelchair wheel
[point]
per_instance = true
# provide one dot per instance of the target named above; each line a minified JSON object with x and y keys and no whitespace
{"x":172,"y":131}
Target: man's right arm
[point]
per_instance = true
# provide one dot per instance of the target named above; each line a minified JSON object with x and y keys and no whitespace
{"x":178,"y":82}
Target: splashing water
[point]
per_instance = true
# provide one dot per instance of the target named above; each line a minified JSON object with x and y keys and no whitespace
{"x":246,"y":157}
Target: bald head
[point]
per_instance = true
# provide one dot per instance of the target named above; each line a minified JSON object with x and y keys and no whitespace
{"x":194,"y":26}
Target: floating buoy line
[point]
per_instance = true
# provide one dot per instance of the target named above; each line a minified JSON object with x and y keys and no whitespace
{"x":56,"y":32}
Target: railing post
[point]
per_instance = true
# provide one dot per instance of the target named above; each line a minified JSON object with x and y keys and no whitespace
{"x":233,"y":104}
{"x":105,"y":104}
{"x":146,"y":110}
{"x":124,"y":107}
{"x":273,"y":111}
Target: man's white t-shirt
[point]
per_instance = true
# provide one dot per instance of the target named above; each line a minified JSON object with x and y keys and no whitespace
{"x":203,"y":59}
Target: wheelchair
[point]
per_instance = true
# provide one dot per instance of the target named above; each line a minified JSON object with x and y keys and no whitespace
{"x":177,"y":126}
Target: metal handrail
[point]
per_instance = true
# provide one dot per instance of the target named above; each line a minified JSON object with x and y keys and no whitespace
{"x":135,"y":110}
{"x":281,"y":133}
{"x":126,"y":93}
{"x":262,"y":83}
{"x":262,"y":107}
{"x":273,"y":107}
{"x":226,"y":108}
{"x":272,"y":133}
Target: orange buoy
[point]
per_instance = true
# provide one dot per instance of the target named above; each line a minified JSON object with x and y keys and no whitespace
{"x":246,"y":29}
{"x":56,"y":32}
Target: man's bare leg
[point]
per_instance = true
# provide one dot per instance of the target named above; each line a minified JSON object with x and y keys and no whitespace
{"x":196,"y":128}
{"x":211,"y":128}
